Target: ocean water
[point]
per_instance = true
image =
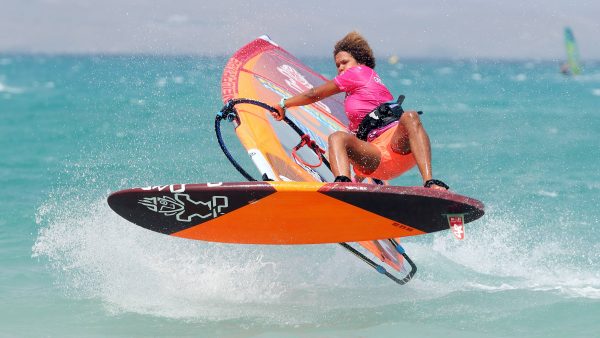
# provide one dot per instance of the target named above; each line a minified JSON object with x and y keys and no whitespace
{"x":518,"y":136}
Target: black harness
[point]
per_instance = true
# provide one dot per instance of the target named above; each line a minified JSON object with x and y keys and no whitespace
{"x":384,"y":114}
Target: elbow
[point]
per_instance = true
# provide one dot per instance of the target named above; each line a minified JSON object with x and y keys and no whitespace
{"x":312,"y":95}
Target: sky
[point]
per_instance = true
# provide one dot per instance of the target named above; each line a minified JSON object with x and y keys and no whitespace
{"x":473,"y":29}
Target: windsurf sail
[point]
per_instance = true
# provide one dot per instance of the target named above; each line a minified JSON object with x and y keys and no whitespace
{"x":265,"y":72}
{"x":573,"y":62}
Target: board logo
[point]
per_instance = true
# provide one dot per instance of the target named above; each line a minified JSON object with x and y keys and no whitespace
{"x":174,"y":188}
{"x":184,"y":208}
{"x":457,"y":224}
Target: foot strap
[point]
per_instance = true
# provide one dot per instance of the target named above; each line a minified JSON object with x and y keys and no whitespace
{"x":429,"y":183}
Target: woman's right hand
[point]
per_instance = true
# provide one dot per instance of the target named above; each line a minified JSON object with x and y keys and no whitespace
{"x":280,"y":114}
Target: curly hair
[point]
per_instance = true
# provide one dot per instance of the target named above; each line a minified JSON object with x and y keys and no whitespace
{"x":358,"y":47}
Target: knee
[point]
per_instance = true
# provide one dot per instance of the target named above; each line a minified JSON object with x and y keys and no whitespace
{"x":410,"y":120}
{"x":337,"y":138}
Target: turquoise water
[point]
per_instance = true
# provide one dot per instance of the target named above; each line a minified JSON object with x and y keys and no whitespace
{"x":517,"y":135}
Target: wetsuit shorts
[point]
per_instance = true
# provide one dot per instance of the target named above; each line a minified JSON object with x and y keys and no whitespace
{"x":392,"y":164}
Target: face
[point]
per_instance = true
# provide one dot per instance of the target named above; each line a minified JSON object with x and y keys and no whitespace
{"x":343,"y":61}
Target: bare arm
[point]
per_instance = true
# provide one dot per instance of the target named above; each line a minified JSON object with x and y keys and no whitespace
{"x":312,"y":95}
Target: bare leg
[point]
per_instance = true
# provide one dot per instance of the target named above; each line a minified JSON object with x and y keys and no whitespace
{"x":346,"y":149}
{"x":410,"y":136}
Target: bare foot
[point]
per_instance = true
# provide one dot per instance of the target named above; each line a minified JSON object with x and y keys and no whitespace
{"x":358,"y":179}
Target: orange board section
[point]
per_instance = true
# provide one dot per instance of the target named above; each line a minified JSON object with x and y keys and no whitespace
{"x":297,"y":214}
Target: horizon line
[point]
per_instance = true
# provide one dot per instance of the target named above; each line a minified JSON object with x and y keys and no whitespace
{"x":223,"y":55}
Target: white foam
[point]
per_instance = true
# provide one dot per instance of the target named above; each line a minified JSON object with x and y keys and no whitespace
{"x":445,"y":71}
{"x":457,"y":145}
{"x":491,"y":288}
{"x":519,"y":77}
{"x":504,"y":255}
{"x":132,"y":269}
{"x":10,"y":90}
{"x":583,"y":292}
{"x":95,"y":254}
{"x":161,"y":82}
{"x":547,"y":193}
{"x":137,"y":102}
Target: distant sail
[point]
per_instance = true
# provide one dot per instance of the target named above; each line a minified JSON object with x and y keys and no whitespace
{"x":572,"y":52}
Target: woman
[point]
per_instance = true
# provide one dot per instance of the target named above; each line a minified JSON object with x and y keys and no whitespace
{"x":384,"y":155}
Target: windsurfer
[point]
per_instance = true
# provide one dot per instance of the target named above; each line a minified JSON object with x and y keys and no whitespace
{"x":378,"y":156}
{"x":565,"y":69}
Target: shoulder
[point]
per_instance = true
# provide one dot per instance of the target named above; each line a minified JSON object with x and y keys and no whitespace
{"x":356,"y":75}
{"x":361,"y":70}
